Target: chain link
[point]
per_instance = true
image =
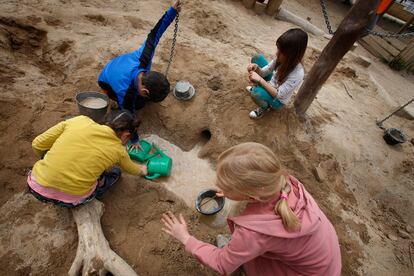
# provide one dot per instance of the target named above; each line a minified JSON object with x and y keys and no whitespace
{"x":326,"y":17}
{"x":371,"y":32}
{"x":173,"y":44}
{"x":404,"y":35}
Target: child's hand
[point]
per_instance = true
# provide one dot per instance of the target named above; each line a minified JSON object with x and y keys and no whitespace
{"x":177,"y":6}
{"x":136,"y":147}
{"x":144,"y":170}
{"x":254,"y":77}
{"x":252,"y":67}
{"x":175,"y":227}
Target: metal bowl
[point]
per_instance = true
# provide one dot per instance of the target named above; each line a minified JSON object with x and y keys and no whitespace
{"x":393,"y":136}
{"x":209,"y":193}
{"x":96,"y":114}
{"x":183,"y":90}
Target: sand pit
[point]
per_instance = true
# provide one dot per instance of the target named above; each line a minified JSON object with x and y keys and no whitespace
{"x":52,"y":49}
{"x":191,"y":175}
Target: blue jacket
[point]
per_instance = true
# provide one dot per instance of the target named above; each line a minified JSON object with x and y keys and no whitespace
{"x":122,"y":72}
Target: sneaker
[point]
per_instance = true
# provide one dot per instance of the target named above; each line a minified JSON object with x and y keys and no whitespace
{"x":257,"y":113}
{"x":249,"y":88}
{"x":109,"y":178}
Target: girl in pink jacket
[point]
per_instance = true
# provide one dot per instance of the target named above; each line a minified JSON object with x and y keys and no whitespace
{"x":282,"y":231}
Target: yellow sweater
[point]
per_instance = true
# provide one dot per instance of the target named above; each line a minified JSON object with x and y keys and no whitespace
{"x":79,"y":150}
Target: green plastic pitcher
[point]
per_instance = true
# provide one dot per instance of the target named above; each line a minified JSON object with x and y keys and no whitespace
{"x":159,"y":165}
{"x":142,"y":155}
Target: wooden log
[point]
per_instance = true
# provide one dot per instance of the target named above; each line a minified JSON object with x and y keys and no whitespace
{"x":249,"y":4}
{"x":94,"y":256}
{"x":259,"y":8}
{"x":273,"y":7}
{"x":352,"y":27}
{"x":286,"y":15}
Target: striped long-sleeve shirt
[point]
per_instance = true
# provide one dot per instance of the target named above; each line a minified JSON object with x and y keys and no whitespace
{"x":122,"y":72}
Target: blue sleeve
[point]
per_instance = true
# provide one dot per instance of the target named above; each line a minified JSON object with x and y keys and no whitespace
{"x":148,"y":48}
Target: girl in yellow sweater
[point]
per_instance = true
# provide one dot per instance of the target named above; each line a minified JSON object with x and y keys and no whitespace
{"x":78,"y":159}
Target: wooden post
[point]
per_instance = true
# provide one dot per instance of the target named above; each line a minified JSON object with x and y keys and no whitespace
{"x":249,"y":4}
{"x":403,"y":28}
{"x":350,"y":30}
{"x":273,"y":6}
{"x":405,"y":60}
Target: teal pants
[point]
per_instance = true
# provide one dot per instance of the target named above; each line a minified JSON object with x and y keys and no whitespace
{"x":258,"y":93}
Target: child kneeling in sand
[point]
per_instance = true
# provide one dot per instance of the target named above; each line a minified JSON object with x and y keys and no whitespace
{"x":78,"y":159}
{"x":275,"y":82}
{"x":282,"y":231}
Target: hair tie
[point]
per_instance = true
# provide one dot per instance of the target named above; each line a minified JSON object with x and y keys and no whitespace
{"x":122,"y":114}
{"x":283,"y":195}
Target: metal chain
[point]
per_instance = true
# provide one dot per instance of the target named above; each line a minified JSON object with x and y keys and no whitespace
{"x":404,"y":35}
{"x":325,"y":15}
{"x":173,"y":44}
{"x":372,"y":32}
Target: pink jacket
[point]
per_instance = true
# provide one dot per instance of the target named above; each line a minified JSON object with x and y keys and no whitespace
{"x":262,"y":246}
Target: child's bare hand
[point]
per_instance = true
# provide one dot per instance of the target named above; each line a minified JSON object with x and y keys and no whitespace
{"x":251,"y":67}
{"x":175,"y":227}
{"x":136,"y":147}
{"x":144,"y":170}
{"x":177,"y":5}
{"x":254,"y":77}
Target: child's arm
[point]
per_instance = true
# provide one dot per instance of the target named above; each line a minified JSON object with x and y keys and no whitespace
{"x":263,"y":72}
{"x":267,"y":70}
{"x":130,"y":167}
{"x":148,"y":48}
{"x":44,"y":141}
{"x":244,"y":246}
{"x":257,"y":79}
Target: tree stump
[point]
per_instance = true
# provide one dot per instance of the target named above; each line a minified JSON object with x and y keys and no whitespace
{"x":94,"y":255}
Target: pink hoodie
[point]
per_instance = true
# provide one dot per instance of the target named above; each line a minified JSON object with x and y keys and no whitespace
{"x":260,"y":243}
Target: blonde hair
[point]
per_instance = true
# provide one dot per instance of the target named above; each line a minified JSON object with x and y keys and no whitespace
{"x":252,"y":169}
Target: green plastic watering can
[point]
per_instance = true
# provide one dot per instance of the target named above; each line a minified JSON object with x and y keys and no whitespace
{"x":142,"y":155}
{"x":159,"y":165}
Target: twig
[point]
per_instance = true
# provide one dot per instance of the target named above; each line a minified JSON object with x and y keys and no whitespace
{"x":347,"y":91}
{"x":411,"y":254}
{"x":207,"y":201}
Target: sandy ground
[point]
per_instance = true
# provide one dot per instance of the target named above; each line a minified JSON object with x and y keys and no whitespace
{"x":52,"y":49}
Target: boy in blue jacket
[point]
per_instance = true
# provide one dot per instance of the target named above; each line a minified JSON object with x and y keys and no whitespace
{"x":128,"y":78}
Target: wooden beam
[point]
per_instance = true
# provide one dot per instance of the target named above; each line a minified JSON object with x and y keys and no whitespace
{"x":374,"y":48}
{"x":406,"y":57}
{"x":273,"y":6}
{"x":352,"y":27}
{"x":405,"y":27}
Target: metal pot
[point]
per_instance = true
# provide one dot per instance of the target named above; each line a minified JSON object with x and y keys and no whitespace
{"x":96,"y":114}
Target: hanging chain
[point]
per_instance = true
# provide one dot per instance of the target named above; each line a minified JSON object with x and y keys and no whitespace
{"x":372,"y":32}
{"x":404,"y":35}
{"x":325,"y":15}
{"x":173,"y":44}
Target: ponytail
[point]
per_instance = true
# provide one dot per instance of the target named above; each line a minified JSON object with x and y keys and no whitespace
{"x":290,"y":221}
